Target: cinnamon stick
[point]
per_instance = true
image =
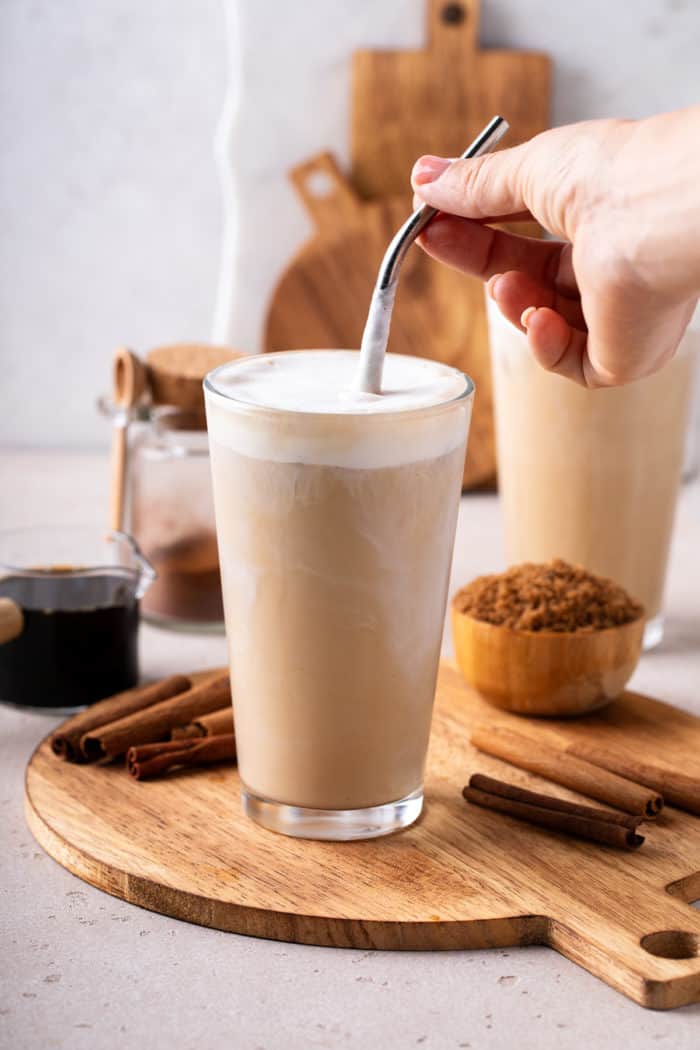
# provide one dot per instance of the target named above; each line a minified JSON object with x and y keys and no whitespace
{"x":596,"y":825}
{"x":156,"y":722}
{"x":217,"y":723}
{"x":678,"y":789}
{"x":151,"y":760}
{"x":518,"y":794}
{"x":561,"y":768}
{"x":65,"y":742}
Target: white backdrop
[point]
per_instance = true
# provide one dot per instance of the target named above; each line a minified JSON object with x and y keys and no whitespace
{"x":111,"y":216}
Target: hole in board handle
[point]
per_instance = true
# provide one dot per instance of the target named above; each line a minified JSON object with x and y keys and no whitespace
{"x":453,"y":14}
{"x":672,"y":944}
{"x":319,"y":184}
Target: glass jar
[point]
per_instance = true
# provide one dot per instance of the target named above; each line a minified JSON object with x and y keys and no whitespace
{"x":171,"y":513}
{"x":166,"y":486}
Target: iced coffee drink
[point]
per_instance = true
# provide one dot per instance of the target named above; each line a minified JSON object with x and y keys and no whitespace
{"x":335,"y":515}
{"x":590,"y":476}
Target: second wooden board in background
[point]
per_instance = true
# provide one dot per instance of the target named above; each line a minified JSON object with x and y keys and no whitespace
{"x":322,"y":297}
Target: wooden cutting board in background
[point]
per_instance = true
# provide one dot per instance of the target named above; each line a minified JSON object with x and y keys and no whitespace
{"x":406,"y":103}
{"x":461,"y":877}
{"x":322,"y":297}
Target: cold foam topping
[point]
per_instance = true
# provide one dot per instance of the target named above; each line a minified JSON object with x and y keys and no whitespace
{"x":324,"y":381}
{"x":324,"y":417}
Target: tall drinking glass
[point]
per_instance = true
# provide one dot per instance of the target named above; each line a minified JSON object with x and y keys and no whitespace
{"x":335,"y":528}
{"x":591,"y":476}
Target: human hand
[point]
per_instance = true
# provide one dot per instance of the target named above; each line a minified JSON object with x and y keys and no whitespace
{"x":609,"y":301}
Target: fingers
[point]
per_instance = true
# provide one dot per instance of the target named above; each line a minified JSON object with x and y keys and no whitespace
{"x":609,"y":354}
{"x":481,"y":251}
{"x":557,"y":346}
{"x":555,"y":327}
{"x":514,"y":292}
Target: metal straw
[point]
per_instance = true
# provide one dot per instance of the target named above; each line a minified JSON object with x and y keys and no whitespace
{"x":376,"y":332}
{"x":416,"y":223}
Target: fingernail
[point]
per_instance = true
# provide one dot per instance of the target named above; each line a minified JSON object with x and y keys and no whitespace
{"x":428,"y":169}
{"x":526,"y":315}
{"x":491,"y":285}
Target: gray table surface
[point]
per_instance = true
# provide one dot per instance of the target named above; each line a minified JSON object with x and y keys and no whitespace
{"x":81,"y":969}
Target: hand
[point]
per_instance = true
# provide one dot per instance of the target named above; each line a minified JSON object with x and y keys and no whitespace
{"x":609,"y":301}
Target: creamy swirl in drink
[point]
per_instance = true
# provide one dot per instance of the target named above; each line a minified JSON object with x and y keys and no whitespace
{"x":336,"y":514}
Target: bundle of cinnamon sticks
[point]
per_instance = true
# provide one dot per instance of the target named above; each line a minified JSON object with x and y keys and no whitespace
{"x":587,"y":822}
{"x":170,"y":723}
{"x":633,"y":789}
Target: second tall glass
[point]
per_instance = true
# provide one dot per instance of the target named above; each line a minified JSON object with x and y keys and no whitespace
{"x":591,"y":476}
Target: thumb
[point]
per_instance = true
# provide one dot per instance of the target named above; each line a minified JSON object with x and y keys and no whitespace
{"x":533,"y":178}
{"x":484,"y":187}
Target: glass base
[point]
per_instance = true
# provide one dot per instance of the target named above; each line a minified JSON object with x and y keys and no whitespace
{"x":653,"y":633}
{"x":338,"y":825}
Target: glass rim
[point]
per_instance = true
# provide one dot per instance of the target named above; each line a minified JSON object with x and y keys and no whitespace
{"x":247,"y":406}
{"x":141,"y":569}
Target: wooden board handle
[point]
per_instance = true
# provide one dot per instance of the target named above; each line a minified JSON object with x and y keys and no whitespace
{"x":653,"y":955}
{"x":453,"y":26}
{"x":326,"y":193}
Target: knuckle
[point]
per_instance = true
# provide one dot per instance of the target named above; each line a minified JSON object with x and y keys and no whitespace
{"x":603,"y":268}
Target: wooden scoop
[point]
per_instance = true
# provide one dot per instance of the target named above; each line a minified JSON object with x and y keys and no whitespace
{"x":128,"y":384}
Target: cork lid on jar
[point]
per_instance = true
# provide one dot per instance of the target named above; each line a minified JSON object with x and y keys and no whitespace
{"x":176,"y":372}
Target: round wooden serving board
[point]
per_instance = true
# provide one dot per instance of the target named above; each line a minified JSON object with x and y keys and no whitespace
{"x":461,"y":877}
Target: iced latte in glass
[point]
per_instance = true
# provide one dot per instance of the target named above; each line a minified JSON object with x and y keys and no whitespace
{"x":335,"y":515}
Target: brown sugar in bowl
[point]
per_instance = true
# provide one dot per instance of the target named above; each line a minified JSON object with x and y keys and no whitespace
{"x":546,"y":673}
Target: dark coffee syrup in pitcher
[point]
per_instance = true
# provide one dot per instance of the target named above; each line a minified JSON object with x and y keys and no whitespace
{"x":79,"y":639}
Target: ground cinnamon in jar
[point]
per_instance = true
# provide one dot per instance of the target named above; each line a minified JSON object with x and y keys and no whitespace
{"x":553,"y":596}
{"x":171,"y":500}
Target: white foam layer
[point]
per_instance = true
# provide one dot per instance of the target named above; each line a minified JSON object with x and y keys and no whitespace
{"x":301,"y":406}
{"x":325,"y":381}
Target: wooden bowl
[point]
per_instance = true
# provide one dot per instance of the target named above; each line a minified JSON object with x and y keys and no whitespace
{"x":546,"y":672}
